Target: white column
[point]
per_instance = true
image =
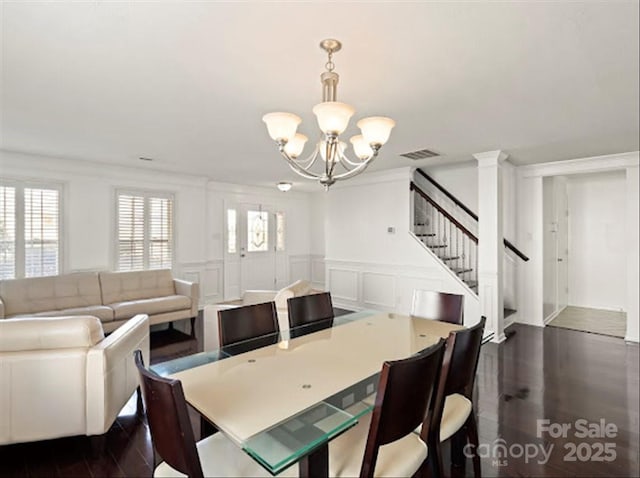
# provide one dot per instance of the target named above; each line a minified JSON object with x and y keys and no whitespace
{"x":490,"y":241}
{"x":633,"y":317}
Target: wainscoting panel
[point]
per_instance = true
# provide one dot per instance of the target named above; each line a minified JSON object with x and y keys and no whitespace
{"x":317,"y":272}
{"x":343,"y":284}
{"x":299,"y":267}
{"x":378,"y":290}
{"x":207,"y":274}
{"x":213,"y":290}
{"x":389,"y":288}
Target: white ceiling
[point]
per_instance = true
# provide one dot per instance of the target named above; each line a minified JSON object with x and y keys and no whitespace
{"x":188,"y":83}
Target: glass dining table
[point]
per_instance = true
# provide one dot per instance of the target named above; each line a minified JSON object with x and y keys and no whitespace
{"x":283,"y":397}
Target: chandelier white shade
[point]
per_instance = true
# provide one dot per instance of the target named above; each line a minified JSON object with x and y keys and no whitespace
{"x":333,"y":119}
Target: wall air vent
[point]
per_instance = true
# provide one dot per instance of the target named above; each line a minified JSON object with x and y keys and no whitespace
{"x":420,"y":154}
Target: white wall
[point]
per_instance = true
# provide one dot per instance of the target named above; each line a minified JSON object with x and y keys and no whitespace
{"x":88,"y":215}
{"x":597,"y":240}
{"x":370,"y":267}
{"x":460,"y":179}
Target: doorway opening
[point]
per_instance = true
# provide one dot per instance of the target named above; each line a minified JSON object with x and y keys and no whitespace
{"x":585,"y":252}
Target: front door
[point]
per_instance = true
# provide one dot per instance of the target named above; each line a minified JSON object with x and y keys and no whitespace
{"x":257,"y":247}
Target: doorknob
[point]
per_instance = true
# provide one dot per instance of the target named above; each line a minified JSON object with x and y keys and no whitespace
{"x":242,"y":255}
{"x":559,"y":259}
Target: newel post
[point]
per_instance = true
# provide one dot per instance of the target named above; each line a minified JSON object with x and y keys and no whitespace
{"x":490,"y":240}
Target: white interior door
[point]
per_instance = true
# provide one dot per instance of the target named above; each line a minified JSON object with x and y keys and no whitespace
{"x":257,"y":247}
{"x":562,"y":237}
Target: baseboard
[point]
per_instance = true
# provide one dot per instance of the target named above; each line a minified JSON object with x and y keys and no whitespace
{"x":554,"y":315}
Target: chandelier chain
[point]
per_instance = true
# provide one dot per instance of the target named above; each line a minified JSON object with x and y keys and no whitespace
{"x":330,"y":65}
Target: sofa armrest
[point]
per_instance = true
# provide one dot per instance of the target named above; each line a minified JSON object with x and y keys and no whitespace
{"x":111,"y":372}
{"x":190,"y":289}
{"x":251,"y":297}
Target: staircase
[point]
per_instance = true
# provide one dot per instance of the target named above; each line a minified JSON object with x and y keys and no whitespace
{"x":450,"y":241}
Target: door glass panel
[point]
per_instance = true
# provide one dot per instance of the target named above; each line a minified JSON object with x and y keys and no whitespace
{"x":280,"y":231}
{"x":257,"y":231}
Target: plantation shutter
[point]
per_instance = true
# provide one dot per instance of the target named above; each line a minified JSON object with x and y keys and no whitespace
{"x":7,"y":232}
{"x":41,"y":232}
{"x":160,"y":233}
{"x":145,"y":231}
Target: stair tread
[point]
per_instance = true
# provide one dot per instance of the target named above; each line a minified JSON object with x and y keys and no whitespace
{"x":471,"y":283}
{"x":437,"y":246}
{"x":426,"y":235}
{"x":449,"y":258}
{"x":461,"y":270}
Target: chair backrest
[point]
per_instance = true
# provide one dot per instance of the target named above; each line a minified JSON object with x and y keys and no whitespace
{"x":247,"y":322}
{"x":459,"y":365}
{"x":405,"y":391}
{"x":168,"y":420}
{"x":438,"y":306}
{"x":307,"y":309}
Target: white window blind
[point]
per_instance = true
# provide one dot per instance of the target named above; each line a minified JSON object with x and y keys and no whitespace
{"x":145,"y":231}
{"x":7,"y":232}
{"x":29,"y":231}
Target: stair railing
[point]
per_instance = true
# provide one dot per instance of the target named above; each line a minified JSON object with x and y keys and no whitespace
{"x":451,"y":241}
{"x":468,"y":211}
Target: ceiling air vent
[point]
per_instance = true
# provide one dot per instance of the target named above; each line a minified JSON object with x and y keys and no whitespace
{"x":420,"y":154}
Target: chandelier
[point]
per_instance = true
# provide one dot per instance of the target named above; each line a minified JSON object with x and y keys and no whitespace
{"x":328,"y":162}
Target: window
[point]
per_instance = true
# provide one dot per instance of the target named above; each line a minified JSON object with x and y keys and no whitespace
{"x":232,"y":224}
{"x":145,"y":231}
{"x":257,"y":231}
{"x":29,"y":230}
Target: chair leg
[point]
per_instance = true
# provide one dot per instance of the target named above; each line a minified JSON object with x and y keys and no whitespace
{"x":472,"y":435}
{"x":434,"y":459}
{"x":193,"y":326}
{"x":458,"y":441}
{"x":139,"y":402}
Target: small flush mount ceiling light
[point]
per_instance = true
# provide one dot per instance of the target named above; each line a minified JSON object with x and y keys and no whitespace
{"x":333,"y":118}
{"x":284,"y":186}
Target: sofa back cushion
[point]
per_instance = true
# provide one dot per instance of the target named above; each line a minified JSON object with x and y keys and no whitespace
{"x":81,"y":331}
{"x":298,"y":288}
{"x":125,"y":286}
{"x":39,"y":294}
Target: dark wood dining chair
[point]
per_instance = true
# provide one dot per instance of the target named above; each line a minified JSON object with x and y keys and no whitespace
{"x":309,"y":309}
{"x":173,"y":438}
{"x":434,"y":305}
{"x":452,"y":415}
{"x":248,"y":322}
{"x":405,"y":391}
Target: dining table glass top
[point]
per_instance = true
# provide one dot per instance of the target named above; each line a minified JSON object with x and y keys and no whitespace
{"x":281,"y":396}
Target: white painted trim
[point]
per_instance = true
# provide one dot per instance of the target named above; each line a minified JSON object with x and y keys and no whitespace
{"x":593,"y":164}
{"x":490,"y":158}
{"x":553,"y":315}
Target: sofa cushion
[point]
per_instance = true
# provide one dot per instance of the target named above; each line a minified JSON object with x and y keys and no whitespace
{"x":104,"y":313}
{"x":49,"y":333}
{"x":39,"y":294}
{"x":127,"y":286}
{"x":298,"y":288}
{"x":157,"y":305}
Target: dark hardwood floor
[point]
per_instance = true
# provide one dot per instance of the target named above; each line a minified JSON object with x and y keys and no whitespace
{"x":555,"y":374}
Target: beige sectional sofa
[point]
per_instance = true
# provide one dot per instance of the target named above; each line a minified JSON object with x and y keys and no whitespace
{"x":60,"y":376}
{"x":113,"y":297}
